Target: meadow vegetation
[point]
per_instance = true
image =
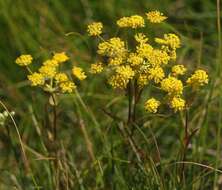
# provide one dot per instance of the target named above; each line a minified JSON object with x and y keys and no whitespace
{"x":116,"y":94}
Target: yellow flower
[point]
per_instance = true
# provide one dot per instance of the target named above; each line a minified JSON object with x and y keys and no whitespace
{"x":142,"y":80}
{"x":47,"y":71}
{"x":60,"y":57}
{"x":134,"y":59}
{"x":78,"y":73}
{"x":61,"y":77}
{"x":67,"y":87}
{"x":95,"y":29}
{"x":125,"y":71}
{"x":51,"y":62}
{"x":158,"y":57}
{"x":155,"y":17}
{"x":116,"y":61}
{"x":178,"y":70}
{"x":141,"y":38}
{"x":152,"y":105}
{"x":199,"y":78}
{"x":36,"y":79}
{"x":122,"y":77}
{"x":24,"y":60}
{"x":172,"y":85}
{"x":118,"y":81}
{"x":96,"y":68}
{"x":171,"y":40}
{"x":156,"y":74}
{"x":144,"y":50}
{"x":113,"y":47}
{"x":134,"y":21}
{"x":178,"y":104}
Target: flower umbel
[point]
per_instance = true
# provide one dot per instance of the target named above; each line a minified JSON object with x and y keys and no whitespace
{"x":24,"y":60}
{"x":152,"y":105}
{"x":95,"y":29}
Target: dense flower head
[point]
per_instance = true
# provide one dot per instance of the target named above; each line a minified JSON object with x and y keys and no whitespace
{"x":144,"y":50}
{"x":95,"y":29}
{"x":67,"y":87}
{"x":78,"y":73}
{"x":177,"y":103}
{"x":134,"y":21}
{"x":114,"y":61}
{"x":134,"y":59}
{"x":60,"y":57}
{"x":178,"y":70}
{"x":156,"y":74}
{"x":142,"y":80}
{"x":24,"y":60}
{"x":199,"y":78}
{"x":113,"y":47}
{"x":61,"y":77}
{"x":158,"y":57}
{"x":171,"y":40}
{"x":152,"y":105}
{"x":51,"y":62}
{"x":125,"y":71}
{"x":172,"y":85}
{"x":155,"y":17}
{"x":118,"y":81}
{"x":96,"y":68}
{"x":36,"y":79}
{"x":48,"y":71}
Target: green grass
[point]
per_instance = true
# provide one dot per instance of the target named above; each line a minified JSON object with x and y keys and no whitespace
{"x":95,"y":151}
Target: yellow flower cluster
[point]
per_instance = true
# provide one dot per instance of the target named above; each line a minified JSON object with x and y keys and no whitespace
{"x":96,"y":68}
{"x":140,"y":62}
{"x":152,"y":105}
{"x":177,"y":103}
{"x":134,"y":21}
{"x":155,"y":17}
{"x":95,"y":29}
{"x":199,"y":78}
{"x":24,"y":60}
{"x":49,"y":77}
{"x":178,"y":70}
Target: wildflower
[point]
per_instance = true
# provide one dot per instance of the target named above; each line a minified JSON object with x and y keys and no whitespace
{"x":36,"y":79}
{"x":60,"y":57}
{"x":156,"y":74}
{"x":61,"y":77}
{"x":178,"y":70}
{"x":125,"y":71}
{"x":24,"y":60}
{"x":121,"y":78}
{"x":177,"y":103}
{"x":134,"y":21}
{"x":78,"y":72}
{"x":144,"y":50}
{"x":51,"y":62}
{"x":118,"y":81}
{"x":199,"y":78}
{"x":172,"y":85}
{"x":155,"y":17}
{"x":152,"y":105}
{"x":95,"y":29}
{"x":67,"y":87}
{"x":171,"y":40}
{"x":47,"y":71}
{"x":134,"y":59}
{"x":142,"y":80}
{"x":96,"y":68}
{"x":141,"y":38}
{"x":116,"y":61}
{"x":113,"y":47}
{"x":158,"y":57}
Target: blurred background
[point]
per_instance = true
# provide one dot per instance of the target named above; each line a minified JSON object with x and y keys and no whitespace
{"x":42,"y":27}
